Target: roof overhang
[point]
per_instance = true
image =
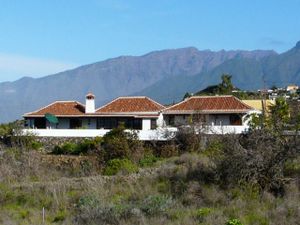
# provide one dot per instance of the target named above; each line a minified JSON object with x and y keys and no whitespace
{"x":173,"y":112}
{"x":154,"y":115}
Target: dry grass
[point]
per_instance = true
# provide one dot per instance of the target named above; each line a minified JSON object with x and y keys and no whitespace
{"x":177,"y":190}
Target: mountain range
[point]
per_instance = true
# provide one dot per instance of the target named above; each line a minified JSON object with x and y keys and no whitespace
{"x":162,"y":75}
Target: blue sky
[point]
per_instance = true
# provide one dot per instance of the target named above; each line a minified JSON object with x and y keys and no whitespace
{"x":43,"y":37}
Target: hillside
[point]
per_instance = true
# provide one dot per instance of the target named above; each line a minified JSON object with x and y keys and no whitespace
{"x":247,"y":74}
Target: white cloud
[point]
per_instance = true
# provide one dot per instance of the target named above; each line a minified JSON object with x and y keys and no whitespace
{"x":16,"y":66}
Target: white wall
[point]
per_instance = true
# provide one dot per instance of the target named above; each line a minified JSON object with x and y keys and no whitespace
{"x":146,"y":125}
{"x":146,"y":135}
{"x":157,"y":134}
{"x":90,"y":105}
{"x":160,"y":120}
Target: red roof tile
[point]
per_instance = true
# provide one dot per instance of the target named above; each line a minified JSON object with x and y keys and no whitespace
{"x":131,"y":105}
{"x":217,"y":104}
{"x":60,"y":108}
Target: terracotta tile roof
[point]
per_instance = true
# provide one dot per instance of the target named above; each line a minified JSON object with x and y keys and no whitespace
{"x":60,"y":108}
{"x":131,"y":105}
{"x":210,"y":104}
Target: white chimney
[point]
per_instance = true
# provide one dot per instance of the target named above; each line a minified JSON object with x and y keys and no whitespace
{"x":90,"y":103}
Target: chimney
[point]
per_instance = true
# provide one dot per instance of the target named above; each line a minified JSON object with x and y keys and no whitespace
{"x":90,"y":103}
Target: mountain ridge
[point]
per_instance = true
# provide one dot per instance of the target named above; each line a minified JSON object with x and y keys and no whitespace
{"x":184,"y":68}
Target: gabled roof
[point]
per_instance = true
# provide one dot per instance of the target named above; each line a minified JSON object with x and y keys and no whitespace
{"x":60,"y":108}
{"x":209,"y":104}
{"x":131,"y":105}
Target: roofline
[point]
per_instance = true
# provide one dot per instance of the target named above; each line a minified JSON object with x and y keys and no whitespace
{"x":221,"y":111}
{"x":206,"y":96}
{"x":243,"y":102}
{"x":59,"y":101}
{"x":95,"y":115}
{"x":125,"y":113}
{"x":124,"y":97}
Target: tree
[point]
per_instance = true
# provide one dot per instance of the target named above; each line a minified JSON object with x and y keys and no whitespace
{"x":279,"y":116}
{"x":226,"y":86}
{"x":259,"y":156}
{"x":186,"y":95}
{"x":121,"y":144}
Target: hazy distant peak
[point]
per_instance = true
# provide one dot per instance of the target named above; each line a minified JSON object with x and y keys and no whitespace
{"x":297,"y":45}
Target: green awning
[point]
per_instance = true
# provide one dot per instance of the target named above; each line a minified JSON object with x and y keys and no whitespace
{"x":51,"y":118}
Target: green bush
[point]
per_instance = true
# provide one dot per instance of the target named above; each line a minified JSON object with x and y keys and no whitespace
{"x":66,"y":148}
{"x":83,"y":147}
{"x":36,"y":145}
{"x":168,"y":150}
{"x":116,"y":144}
{"x":233,"y":222}
{"x":214,"y":149}
{"x":11,"y":135}
{"x":202,"y":212}
{"x":148,"y":160}
{"x":156,"y":204}
{"x":88,"y":145}
{"x":115,"y":166}
{"x":60,"y":216}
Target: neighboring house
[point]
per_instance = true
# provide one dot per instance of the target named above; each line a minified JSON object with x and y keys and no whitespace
{"x":262,"y":105}
{"x":215,"y":114}
{"x":223,"y":114}
{"x":292,"y":88}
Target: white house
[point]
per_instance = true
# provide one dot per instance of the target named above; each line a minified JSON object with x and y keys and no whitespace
{"x":212,"y":114}
{"x":151,"y":120}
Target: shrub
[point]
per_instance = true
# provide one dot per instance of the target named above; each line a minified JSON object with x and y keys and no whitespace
{"x":256,"y":158}
{"x":83,"y":147}
{"x":156,"y":204}
{"x":88,"y":200}
{"x":202,"y":212}
{"x":36,"y":145}
{"x":148,"y":160}
{"x":116,"y":166}
{"x":188,"y":140}
{"x":11,"y":134}
{"x":24,"y":213}
{"x":233,"y":222}
{"x":66,"y":148}
{"x":60,"y":216}
{"x":214,"y":149}
{"x":88,"y":145}
{"x":168,"y":150}
{"x":120,"y":144}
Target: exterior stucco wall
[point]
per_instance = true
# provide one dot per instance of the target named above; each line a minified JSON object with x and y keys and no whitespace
{"x":146,"y":125}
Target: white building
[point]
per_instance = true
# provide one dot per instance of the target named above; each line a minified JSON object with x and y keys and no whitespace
{"x":151,"y":120}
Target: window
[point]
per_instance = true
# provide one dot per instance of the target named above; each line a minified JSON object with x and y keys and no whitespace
{"x":40,"y":123}
{"x":137,"y":124}
{"x":235,"y":119}
{"x":114,"y":122}
{"x":75,"y":123}
{"x":153,"y":124}
{"x":171,"y":120}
